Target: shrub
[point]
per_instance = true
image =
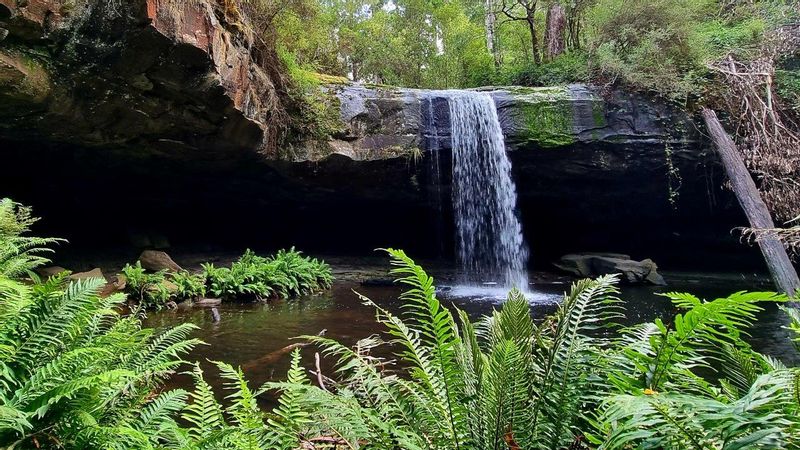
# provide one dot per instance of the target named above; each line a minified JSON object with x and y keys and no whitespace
{"x":148,"y":289}
{"x":650,"y":45}
{"x":787,"y":80}
{"x":188,"y":286}
{"x":564,"y":69}
{"x":722,"y":36}
{"x":285,"y":275}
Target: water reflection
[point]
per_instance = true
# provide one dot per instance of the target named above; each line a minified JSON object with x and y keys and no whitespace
{"x":247,"y":333}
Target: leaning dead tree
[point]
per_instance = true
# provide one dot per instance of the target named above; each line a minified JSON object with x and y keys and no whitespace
{"x":767,"y":146}
{"x":780,"y":266}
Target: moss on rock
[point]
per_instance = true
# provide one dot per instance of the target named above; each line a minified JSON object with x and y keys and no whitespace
{"x":22,"y":78}
{"x":547,"y":124}
{"x":543,"y":115}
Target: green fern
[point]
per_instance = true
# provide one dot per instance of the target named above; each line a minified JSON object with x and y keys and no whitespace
{"x":204,"y":413}
{"x":290,"y":418}
{"x":73,"y":371}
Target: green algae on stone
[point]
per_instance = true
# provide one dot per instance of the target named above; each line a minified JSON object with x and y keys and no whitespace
{"x":549,"y":124}
{"x":548,"y":93}
{"x":599,"y":114}
{"x":544,"y":115}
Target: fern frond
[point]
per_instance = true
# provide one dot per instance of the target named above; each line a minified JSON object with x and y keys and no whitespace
{"x":565,"y":359}
{"x":243,"y":408}
{"x":204,"y":413}
{"x":290,"y":418}
{"x":435,"y":337}
{"x":61,"y":322}
{"x":159,"y":414}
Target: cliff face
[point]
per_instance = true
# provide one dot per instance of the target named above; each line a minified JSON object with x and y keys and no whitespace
{"x":164,"y":76}
{"x":161,"y":115}
{"x":384,"y":122}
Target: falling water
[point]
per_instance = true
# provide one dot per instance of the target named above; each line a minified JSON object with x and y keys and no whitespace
{"x":489,"y":234}
{"x":435,"y":172}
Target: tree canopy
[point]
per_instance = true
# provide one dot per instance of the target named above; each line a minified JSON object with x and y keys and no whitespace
{"x":661,"y":45}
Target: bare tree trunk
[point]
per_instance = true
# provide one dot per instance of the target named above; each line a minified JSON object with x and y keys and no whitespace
{"x":491,"y":36}
{"x":554,"y":31}
{"x":783,"y":273}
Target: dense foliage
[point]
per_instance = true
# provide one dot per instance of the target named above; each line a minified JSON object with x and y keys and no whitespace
{"x":74,"y":373}
{"x":659,"y":45}
{"x":285,"y":275}
{"x":568,"y":382}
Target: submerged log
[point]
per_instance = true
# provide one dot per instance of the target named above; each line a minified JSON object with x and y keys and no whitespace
{"x":780,"y":266}
{"x":273,"y":357}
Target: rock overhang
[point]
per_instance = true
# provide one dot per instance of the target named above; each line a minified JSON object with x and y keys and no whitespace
{"x":135,"y":76}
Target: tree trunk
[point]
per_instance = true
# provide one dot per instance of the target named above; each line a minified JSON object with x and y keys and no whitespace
{"x":573,"y":30}
{"x":491,"y":37}
{"x":783,"y":273}
{"x":554,"y":31}
{"x":534,"y":40}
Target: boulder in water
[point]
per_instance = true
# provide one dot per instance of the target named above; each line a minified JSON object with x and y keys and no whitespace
{"x":47,"y":272}
{"x":94,"y":273}
{"x":155,"y":260}
{"x":597,"y":264}
{"x":208,"y":302}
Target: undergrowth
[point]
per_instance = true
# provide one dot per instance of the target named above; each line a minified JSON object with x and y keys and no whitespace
{"x":285,"y":275}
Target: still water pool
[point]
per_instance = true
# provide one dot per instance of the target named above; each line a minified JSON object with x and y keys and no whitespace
{"x":252,"y":335}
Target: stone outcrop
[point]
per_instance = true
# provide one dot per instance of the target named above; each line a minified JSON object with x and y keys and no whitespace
{"x":155,"y":261}
{"x":51,"y":271}
{"x":164,"y":77}
{"x":94,"y":273}
{"x":385,"y":122}
{"x":596,"y":264}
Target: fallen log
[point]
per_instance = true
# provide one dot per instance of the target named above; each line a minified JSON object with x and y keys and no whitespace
{"x":780,"y":266}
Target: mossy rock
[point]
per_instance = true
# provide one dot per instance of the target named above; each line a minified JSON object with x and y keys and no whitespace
{"x":548,"y":124}
{"x":542,"y":115}
{"x":323,"y":78}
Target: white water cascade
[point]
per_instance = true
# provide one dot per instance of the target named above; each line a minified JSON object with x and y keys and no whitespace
{"x":489,"y":238}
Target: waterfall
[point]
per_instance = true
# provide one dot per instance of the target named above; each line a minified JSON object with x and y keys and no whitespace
{"x":435,"y":173}
{"x":489,"y":234}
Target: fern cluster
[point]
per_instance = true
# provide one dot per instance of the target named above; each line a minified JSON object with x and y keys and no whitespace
{"x":154,"y":290}
{"x":576,"y":380}
{"x":73,"y":372}
{"x":503,"y":382}
{"x":286,"y":274}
